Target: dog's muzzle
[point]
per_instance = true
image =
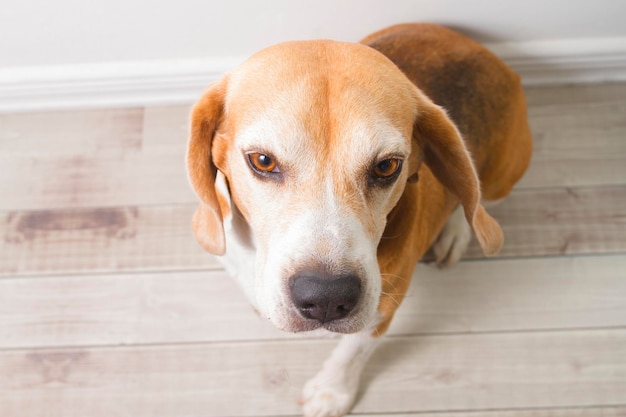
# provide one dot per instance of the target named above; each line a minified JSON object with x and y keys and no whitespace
{"x":325,"y":298}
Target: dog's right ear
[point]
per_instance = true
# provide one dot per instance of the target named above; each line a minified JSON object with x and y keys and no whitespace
{"x":206,"y":116}
{"x":447,"y":157}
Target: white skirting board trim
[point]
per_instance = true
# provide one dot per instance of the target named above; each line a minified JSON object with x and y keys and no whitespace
{"x":566,"y":61}
{"x":128,"y":84}
{"x":96,"y":85}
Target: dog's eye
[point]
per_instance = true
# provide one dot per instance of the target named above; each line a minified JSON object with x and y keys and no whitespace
{"x":262,"y":163}
{"x":387,"y":168}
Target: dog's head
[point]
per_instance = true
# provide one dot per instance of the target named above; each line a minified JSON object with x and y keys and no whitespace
{"x":313,"y":144}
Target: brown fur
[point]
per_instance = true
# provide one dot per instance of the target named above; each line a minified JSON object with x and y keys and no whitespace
{"x":485,"y":100}
{"x":205,"y":118}
{"x":481,"y":95}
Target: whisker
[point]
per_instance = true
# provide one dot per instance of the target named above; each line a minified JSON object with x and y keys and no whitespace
{"x":392,"y":293}
{"x":400,"y":277}
{"x":391,"y":296}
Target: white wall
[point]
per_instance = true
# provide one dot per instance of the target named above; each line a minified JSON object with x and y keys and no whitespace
{"x":58,"y":32}
{"x":79,"y":53}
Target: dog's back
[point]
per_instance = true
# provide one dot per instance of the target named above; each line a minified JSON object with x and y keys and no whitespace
{"x":481,"y":94}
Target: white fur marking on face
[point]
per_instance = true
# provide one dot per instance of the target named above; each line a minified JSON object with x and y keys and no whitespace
{"x":285,"y":140}
{"x":377,"y":139}
{"x":240,"y":248}
{"x":344,"y":248}
{"x":320,"y":212}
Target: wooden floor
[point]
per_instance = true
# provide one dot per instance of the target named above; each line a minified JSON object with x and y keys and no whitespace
{"x":108,"y":306}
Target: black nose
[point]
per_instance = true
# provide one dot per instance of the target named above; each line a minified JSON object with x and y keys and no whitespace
{"x":325,"y":298}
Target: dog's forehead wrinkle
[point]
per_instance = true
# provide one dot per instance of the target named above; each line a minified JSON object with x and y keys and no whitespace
{"x":276,"y":133}
{"x":322,"y":78}
{"x":371,"y":136}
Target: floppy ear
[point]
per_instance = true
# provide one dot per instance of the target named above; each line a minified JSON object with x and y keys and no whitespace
{"x":447,"y":157}
{"x":205,"y":118}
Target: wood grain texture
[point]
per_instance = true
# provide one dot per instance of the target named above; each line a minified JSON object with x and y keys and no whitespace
{"x":166,"y":308}
{"x":100,"y":240}
{"x":97,"y":158}
{"x":566,"y":412}
{"x":65,"y":159}
{"x":109,"y":307}
{"x":407,"y":374}
{"x":560,"y":221}
{"x":130,"y":157}
{"x":575,"y":94}
{"x":579,"y":136}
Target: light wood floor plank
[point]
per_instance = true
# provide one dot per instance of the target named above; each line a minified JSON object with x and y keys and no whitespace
{"x":575,"y":412}
{"x":579,"y":134}
{"x":59,"y":133}
{"x":478,"y":296}
{"x":108,"y":306}
{"x":578,"y":146}
{"x":126,"y":157}
{"x":407,"y":374}
{"x":535,"y":222}
{"x":561,"y":221}
{"x":515,"y":295}
{"x":95,"y":158}
{"x":64,"y":159}
{"x":556,"y":96}
{"x":100,"y":240}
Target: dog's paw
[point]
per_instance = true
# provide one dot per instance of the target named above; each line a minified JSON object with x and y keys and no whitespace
{"x":453,"y":239}
{"x":329,"y":394}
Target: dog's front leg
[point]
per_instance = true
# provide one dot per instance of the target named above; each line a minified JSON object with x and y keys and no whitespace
{"x":333,"y":390}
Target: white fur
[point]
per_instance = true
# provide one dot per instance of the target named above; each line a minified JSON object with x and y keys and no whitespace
{"x":303,"y":221}
{"x":322,"y":212}
{"x":453,"y":239}
{"x":344,"y":242}
{"x":333,"y":390}
{"x":240,"y":253}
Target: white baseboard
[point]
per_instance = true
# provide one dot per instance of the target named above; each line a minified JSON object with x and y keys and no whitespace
{"x":566,"y":61}
{"x":97,"y":85}
{"x":182,"y":81}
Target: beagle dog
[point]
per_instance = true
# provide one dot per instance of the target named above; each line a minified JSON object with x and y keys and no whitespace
{"x":325,"y":170}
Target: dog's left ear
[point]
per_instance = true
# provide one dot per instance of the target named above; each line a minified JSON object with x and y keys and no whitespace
{"x":447,"y":157}
{"x":207,"y":221}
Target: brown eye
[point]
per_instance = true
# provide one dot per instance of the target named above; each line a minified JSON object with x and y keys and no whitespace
{"x":262,"y":163}
{"x":387,"y":168}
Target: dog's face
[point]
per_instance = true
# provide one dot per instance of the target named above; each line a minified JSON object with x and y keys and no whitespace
{"x":316,"y":143}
